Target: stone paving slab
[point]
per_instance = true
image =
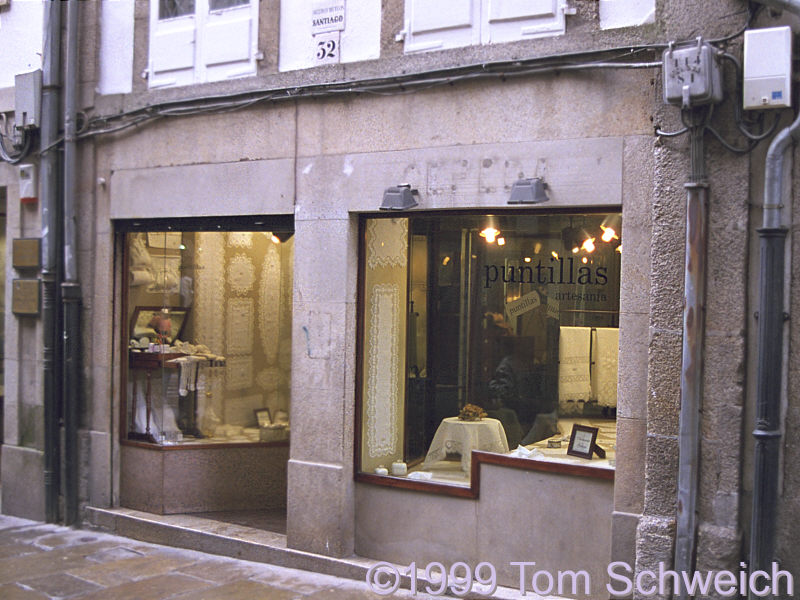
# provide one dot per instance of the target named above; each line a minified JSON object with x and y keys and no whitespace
{"x":48,"y":562}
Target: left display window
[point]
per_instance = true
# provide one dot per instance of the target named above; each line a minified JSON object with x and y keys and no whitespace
{"x":208,"y":337}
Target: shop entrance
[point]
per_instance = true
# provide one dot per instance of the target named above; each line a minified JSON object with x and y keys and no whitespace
{"x":204,"y":419}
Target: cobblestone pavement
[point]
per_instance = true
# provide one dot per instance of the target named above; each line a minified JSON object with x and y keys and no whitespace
{"x":39,"y":561}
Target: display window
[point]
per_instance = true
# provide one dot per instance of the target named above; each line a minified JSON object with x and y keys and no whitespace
{"x":494,"y":333}
{"x":207,"y":333}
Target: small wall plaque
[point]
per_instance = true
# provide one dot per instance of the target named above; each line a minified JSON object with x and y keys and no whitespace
{"x":25,"y":296}
{"x":26,"y":253}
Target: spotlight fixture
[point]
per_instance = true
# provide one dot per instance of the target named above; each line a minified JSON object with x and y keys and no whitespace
{"x":528,"y":191}
{"x":278,"y":237}
{"x":399,"y":197}
{"x":490,"y":234}
{"x":611,"y":227}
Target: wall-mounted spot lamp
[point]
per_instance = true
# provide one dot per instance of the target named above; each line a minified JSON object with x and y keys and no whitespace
{"x":281,"y":236}
{"x":528,"y":191}
{"x":400,"y":197}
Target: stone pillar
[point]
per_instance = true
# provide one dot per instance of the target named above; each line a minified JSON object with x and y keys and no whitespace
{"x":637,"y":173}
{"x":320,"y":479}
{"x":22,"y":466}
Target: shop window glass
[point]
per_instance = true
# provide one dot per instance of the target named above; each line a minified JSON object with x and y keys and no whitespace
{"x":509,"y":318}
{"x":208,"y":318}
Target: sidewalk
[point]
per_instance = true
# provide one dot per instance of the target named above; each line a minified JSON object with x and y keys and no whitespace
{"x":40,"y":561}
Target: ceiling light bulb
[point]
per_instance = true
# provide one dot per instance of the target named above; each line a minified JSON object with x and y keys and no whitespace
{"x":490,"y":233}
{"x":588,"y":244}
{"x":608,"y":234}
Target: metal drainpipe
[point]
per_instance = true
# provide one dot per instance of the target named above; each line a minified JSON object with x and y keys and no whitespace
{"x":771,"y":318}
{"x":692,"y":354}
{"x":70,"y":287}
{"x":50,"y":239}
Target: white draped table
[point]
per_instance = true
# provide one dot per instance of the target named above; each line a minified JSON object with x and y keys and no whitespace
{"x":462,"y":437}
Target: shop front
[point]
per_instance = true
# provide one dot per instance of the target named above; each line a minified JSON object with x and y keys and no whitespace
{"x":488,"y":387}
{"x":204,"y":419}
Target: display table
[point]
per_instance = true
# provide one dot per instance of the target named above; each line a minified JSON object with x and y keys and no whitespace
{"x":462,"y":437}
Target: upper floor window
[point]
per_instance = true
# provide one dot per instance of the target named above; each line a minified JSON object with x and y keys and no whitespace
{"x":439,"y":24}
{"x":196,"y":41}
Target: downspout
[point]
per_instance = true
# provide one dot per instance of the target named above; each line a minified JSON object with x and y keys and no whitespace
{"x":49,"y":166}
{"x":771,"y":317}
{"x":769,"y":365}
{"x":694,"y":286}
{"x":70,"y":287}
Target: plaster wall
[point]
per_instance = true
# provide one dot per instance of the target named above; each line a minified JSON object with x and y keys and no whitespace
{"x":360,"y":39}
{"x":116,"y":48}
{"x":21,"y":40}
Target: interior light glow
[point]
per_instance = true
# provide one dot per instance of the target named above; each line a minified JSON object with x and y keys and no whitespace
{"x":527,"y":259}
{"x":608,"y":234}
{"x":619,"y":248}
{"x":588,"y":244}
{"x":537,"y":247}
{"x":575,"y":250}
{"x":276,"y":240}
{"x":445,"y":260}
{"x":555,"y":254}
{"x":501,"y":241}
{"x":584,"y":260}
{"x":490,"y":233}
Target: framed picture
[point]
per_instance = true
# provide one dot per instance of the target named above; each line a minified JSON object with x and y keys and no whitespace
{"x":263,"y":418}
{"x":161,"y":324}
{"x":582,"y":441}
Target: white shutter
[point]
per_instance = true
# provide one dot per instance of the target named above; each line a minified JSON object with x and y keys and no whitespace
{"x":511,"y":20}
{"x":438,"y":24}
{"x":229,"y":41}
{"x":172,"y":51}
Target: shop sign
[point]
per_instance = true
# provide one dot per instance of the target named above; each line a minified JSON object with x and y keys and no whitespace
{"x":327,"y":15}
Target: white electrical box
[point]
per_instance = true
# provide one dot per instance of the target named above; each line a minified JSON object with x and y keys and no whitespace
{"x":28,"y":184}
{"x":767,"y":68}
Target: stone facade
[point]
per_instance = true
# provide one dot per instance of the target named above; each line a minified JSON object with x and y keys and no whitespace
{"x":462,"y":144}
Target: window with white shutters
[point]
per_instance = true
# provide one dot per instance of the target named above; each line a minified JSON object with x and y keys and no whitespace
{"x":197,"y":41}
{"x":439,"y":24}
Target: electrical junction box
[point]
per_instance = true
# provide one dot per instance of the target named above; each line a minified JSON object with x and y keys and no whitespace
{"x":27,"y":99}
{"x":28,"y":183}
{"x":692,"y":75}
{"x":767,"y":68}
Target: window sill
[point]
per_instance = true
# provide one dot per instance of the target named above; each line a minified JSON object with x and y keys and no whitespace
{"x":202,"y":445}
{"x":601,"y":471}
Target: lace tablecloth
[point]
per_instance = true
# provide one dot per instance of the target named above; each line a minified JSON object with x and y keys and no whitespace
{"x":462,"y":437}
